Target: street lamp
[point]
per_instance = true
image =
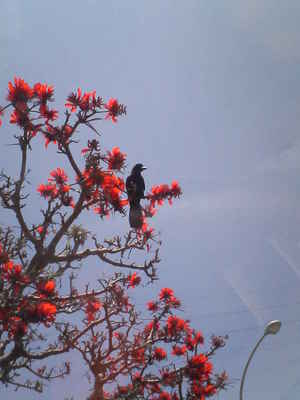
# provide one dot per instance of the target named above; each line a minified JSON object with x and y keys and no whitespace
{"x":270,"y":329}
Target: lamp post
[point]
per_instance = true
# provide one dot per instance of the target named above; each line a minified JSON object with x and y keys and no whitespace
{"x":270,"y":329}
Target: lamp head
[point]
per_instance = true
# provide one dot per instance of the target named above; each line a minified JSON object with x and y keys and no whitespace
{"x":272,"y":327}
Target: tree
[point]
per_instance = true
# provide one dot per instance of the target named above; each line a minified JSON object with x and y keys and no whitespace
{"x":43,"y":314}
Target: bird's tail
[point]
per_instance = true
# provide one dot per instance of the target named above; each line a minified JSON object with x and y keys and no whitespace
{"x":135,"y":215}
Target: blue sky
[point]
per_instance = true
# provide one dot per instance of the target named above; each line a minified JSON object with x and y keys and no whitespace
{"x":213,"y":97}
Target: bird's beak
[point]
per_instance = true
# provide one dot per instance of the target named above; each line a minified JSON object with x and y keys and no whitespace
{"x":143,"y":168}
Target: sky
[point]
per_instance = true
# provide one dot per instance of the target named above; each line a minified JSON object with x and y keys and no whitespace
{"x":213,"y":96}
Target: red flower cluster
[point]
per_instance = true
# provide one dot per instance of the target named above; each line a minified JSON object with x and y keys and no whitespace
{"x":113,"y":188}
{"x":91,"y":309}
{"x":46,"y":288}
{"x":116,"y":159}
{"x":44,"y":92}
{"x":46,"y":311}
{"x":15,"y":321}
{"x":20,"y":311}
{"x":86,"y":102}
{"x":152,"y":306}
{"x":179,"y":350}
{"x":48,"y":190}
{"x":196,"y":370}
{"x":161,"y":192}
{"x":114,"y":109}
{"x":59,"y":177}
{"x":12,"y":273}
{"x":167,"y":295}
{"x":33,"y":299}
{"x":159,"y":353}
{"x":27,"y":100}
{"x":146,"y":233}
{"x":19,"y":93}
{"x":192,"y":377}
{"x":103,"y":190}
{"x":57,"y":188}
{"x":176,"y":325}
{"x":133,"y":280}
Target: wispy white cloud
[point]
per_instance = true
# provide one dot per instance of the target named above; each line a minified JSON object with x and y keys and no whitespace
{"x":289,"y":253}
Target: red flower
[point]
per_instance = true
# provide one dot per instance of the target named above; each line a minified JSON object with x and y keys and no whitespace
{"x":175,"y":189}
{"x":93,"y":306}
{"x":198,"y":360}
{"x":190,"y":342}
{"x":176,"y":325}
{"x":113,"y":109}
{"x":51,"y":134}
{"x":134,"y":280}
{"x":87,"y":101}
{"x":165,"y":396}
{"x":179,"y":350}
{"x":12,"y":271}
{"x":48,"y":191}
{"x":47,"y":287}
{"x":199,"y":338}
{"x":46,"y":311}
{"x":20,"y":92}
{"x":43,"y":92}
{"x":161,"y":192}
{"x":159,"y":353}
{"x":17,"y":270}
{"x":40,"y":229}
{"x":198,"y":390}
{"x":147,"y":233}
{"x":112,"y":188}
{"x":210,"y":390}
{"x":116,"y":159}
{"x":73,"y":100}
{"x":59,"y":176}
{"x":166,"y":294}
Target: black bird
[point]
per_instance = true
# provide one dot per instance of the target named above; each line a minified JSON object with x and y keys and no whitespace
{"x":135,"y":186}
